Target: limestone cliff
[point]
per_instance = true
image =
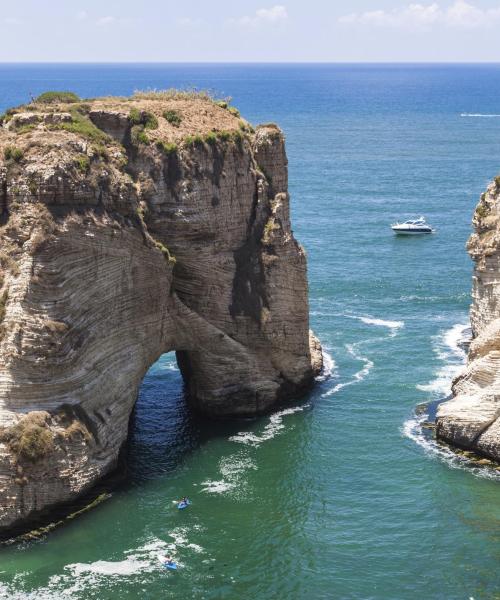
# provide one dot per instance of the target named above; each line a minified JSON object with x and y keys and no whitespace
{"x":472,"y":418}
{"x":132,"y":227}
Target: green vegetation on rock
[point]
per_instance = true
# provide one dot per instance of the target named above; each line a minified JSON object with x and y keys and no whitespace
{"x":54,"y":97}
{"x":82,"y":125}
{"x":166,"y":252}
{"x":173,"y":117}
{"x":3,"y":303}
{"x":168,"y":148}
{"x":13,"y":153}
{"x":144,"y":118}
{"x":138,"y":135}
{"x":482,"y":211}
{"x":82,"y":162}
{"x":30,"y":439}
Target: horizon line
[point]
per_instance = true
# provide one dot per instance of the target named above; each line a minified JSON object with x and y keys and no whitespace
{"x":248,"y":62}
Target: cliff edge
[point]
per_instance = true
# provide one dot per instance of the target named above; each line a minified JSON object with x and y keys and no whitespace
{"x":131,"y":227}
{"x":471,"y":419}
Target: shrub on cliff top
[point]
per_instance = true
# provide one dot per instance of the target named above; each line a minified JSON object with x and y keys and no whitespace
{"x":82,"y":125}
{"x":174,"y":94}
{"x":53,"y":97}
{"x":211,"y":138}
{"x":145,"y":118}
{"x":193,"y":140}
{"x":173,"y":117}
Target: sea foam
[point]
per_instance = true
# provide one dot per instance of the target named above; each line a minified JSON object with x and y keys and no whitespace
{"x":447,"y":347}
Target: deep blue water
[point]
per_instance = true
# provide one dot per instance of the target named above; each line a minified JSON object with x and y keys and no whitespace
{"x":343,"y":497}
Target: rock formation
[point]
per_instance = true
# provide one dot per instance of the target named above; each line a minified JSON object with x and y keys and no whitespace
{"x":471,"y":419}
{"x":132,"y":227}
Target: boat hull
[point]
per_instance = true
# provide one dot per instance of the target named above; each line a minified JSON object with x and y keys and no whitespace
{"x":411,"y":232}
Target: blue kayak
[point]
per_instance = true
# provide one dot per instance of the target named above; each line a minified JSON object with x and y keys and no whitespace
{"x":183,"y":505}
{"x":170,"y":565}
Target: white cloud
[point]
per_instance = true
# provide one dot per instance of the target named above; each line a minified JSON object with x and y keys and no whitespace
{"x":12,"y":21}
{"x":275,"y":14}
{"x":460,"y":14}
{"x":82,"y":15}
{"x":189,"y":23}
{"x":103,"y":21}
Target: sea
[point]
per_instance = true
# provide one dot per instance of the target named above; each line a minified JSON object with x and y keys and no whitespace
{"x":341,"y":495}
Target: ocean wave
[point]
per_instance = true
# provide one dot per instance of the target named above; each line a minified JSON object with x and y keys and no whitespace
{"x":480,"y":115}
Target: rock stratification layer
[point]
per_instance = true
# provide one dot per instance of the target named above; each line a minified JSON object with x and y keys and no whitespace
{"x":130,"y":228}
{"x":471,"y":419}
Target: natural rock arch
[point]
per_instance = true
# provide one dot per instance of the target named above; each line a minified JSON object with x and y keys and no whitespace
{"x":137,"y":251}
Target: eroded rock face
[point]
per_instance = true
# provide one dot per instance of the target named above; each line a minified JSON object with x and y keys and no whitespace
{"x":471,"y":419}
{"x":120,"y":242}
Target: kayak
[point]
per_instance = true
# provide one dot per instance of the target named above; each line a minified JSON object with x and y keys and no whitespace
{"x":168,"y":564}
{"x":183,"y":504}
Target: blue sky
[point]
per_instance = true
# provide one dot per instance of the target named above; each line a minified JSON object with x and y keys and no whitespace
{"x":223,"y":30}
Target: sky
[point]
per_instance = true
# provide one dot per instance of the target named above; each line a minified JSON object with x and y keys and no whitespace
{"x":250,"y":31}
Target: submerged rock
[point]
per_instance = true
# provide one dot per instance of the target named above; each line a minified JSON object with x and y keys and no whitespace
{"x":130,"y":228}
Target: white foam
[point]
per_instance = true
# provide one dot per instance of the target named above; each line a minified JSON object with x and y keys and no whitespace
{"x":328,"y":367}
{"x":448,"y":350}
{"x":270,"y":431}
{"x":217,"y":487}
{"x":232,"y":469}
{"x":480,"y":115}
{"x":359,"y":375}
{"x":393,"y":325}
{"x":412,"y":429}
{"x":447,"y":347}
{"x":127,"y":567}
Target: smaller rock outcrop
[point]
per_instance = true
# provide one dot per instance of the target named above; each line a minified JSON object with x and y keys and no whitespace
{"x":471,"y":419}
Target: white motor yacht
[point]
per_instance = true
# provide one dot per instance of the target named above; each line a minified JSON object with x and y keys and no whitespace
{"x":412,"y":227}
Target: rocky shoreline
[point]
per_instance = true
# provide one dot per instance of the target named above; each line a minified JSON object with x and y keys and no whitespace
{"x":471,"y":419}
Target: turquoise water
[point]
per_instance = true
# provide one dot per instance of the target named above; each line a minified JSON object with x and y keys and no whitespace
{"x":341,"y":496}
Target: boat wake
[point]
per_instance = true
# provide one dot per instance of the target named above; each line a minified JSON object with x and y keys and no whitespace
{"x":479,"y":116}
{"x":78,"y":578}
{"x":448,"y":346}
